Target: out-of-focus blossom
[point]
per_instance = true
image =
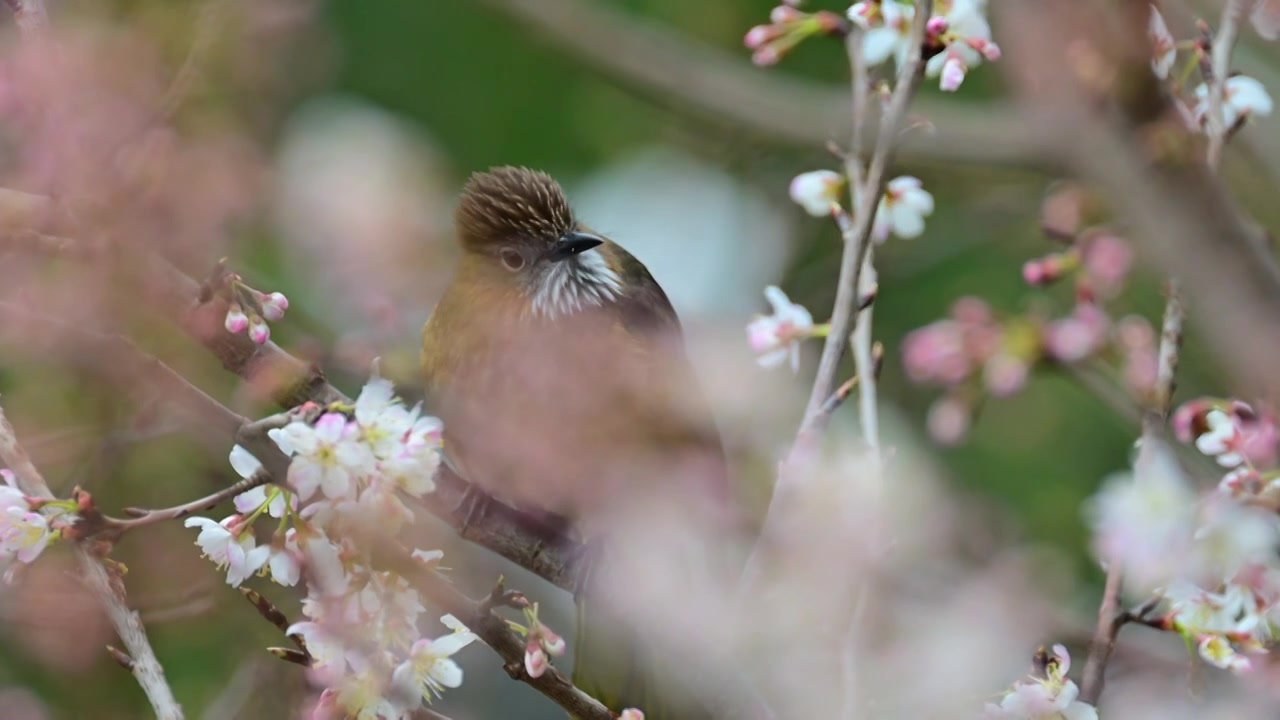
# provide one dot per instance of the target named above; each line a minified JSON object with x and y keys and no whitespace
{"x":1106,"y":260}
{"x":23,"y":534}
{"x":1049,"y":269}
{"x":230,"y":546}
{"x":1137,"y":341}
{"x":1052,"y":697}
{"x":818,"y":191}
{"x":966,"y":38}
{"x":776,"y":338}
{"x":948,"y":351}
{"x":887,"y":29}
{"x":1145,"y":521}
{"x":949,"y":420}
{"x":631,"y":714}
{"x":903,"y":209}
{"x":1266,"y":18}
{"x":1243,"y":98}
{"x":1164,"y":49}
{"x":1222,"y":440}
{"x":1078,"y":335}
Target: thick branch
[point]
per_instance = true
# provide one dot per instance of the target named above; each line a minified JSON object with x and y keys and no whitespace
{"x":107,"y":589}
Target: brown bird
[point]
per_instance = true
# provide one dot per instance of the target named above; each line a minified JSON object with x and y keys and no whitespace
{"x":558,"y":366}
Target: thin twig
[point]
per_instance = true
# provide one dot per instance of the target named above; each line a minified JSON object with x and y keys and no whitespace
{"x":108,"y":590}
{"x":866,"y":199}
{"x":141,"y":517}
{"x":1224,"y":42}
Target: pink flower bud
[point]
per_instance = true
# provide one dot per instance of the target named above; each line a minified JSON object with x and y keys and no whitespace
{"x":535,"y":660}
{"x":949,"y":421}
{"x":937,"y":25}
{"x":631,"y":714}
{"x":551,"y":642}
{"x":1107,"y":261}
{"x":989,"y":50}
{"x":759,"y":35}
{"x":1033,"y":273}
{"x":766,"y":56}
{"x":1004,"y":375}
{"x":274,"y":305}
{"x":785,"y":14}
{"x":1188,"y":420}
{"x":236,"y":321}
{"x":258,"y":331}
{"x":953,"y":71}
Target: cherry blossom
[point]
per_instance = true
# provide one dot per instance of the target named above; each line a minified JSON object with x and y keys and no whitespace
{"x":1164,"y":49}
{"x":631,"y":714}
{"x":903,"y":209}
{"x":1145,"y":521}
{"x":1053,"y":697}
{"x":230,"y":546}
{"x":1222,"y":441}
{"x":776,"y":338}
{"x":1243,"y":98}
{"x":430,"y":665}
{"x":887,"y":27}
{"x":818,"y":191}
{"x":327,"y":456}
{"x":966,"y":36}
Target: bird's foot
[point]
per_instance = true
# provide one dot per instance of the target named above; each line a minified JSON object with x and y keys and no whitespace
{"x":471,"y":508}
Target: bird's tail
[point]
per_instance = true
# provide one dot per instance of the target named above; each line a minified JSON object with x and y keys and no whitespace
{"x":612,"y":665}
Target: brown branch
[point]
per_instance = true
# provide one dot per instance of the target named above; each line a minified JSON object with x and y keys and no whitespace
{"x":496,"y":632}
{"x":107,"y":589}
{"x":690,"y":76}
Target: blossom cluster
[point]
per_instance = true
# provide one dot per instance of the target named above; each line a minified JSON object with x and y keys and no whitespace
{"x":1050,"y":696}
{"x":350,"y":469}
{"x":1210,"y":560}
{"x":957,"y":36}
{"x":1243,"y":97}
{"x":28,"y":525}
{"x":973,"y":353}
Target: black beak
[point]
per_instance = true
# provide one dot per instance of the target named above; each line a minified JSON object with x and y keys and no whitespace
{"x":572,"y":243}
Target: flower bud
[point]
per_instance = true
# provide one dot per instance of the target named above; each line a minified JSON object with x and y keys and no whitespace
{"x":236,"y":321}
{"x":535,"y":660}
{"x":258,"y":330}
{"x":274,"y":305}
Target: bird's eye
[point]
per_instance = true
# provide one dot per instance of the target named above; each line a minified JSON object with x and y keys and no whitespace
{"x":512,"y":259}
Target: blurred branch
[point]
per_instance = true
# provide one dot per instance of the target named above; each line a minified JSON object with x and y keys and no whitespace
{"x":107,"y":589}
{"x":694,"y":77}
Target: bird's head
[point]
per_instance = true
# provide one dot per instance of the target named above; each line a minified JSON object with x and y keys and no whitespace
{"x":519,"y":221}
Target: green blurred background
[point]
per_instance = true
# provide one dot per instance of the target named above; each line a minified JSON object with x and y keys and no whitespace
{"x":471,"y":88}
